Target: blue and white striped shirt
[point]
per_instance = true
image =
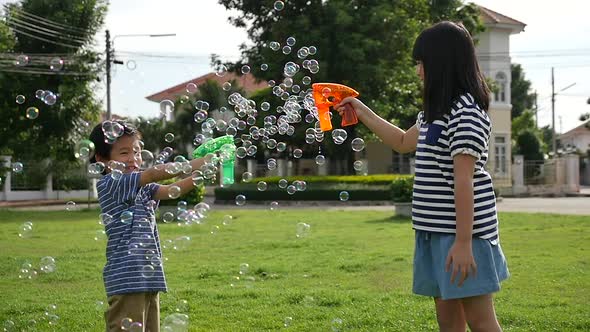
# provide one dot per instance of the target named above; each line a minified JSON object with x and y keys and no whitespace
{"x":465,"y":131}
{"x":134,"y":257}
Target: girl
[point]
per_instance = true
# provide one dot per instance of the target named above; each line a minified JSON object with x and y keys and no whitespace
{"x":457,"y":258}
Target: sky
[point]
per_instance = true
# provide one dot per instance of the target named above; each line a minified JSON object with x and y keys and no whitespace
{"x":556,"y":35}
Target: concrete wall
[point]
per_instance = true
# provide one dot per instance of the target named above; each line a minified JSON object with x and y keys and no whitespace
{"x":379,"y":158}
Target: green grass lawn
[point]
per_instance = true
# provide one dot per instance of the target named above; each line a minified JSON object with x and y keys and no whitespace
{"x":355,"y":266}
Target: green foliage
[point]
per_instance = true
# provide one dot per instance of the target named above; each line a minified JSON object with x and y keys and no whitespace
{"x":376,"y":179}
{"x":351,"y":260}
{"x":528,"y":144}
{"x":520,"y":87}
{"x":54,"y":133}
{"x":193,"y":197}
{"x":401,"y":190}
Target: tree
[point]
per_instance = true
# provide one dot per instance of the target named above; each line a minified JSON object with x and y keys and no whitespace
{"x":57,"y":129}
{"x":528,"y":144}
{"x":363,"y":44}
{"x":520,"y":87}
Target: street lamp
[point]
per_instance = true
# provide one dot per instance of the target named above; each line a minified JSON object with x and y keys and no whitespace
{"x":109,"y":52}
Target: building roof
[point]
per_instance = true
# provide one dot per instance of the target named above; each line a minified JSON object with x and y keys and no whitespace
{"x":490,"y":17}
{"x":582,"y":129}
{"x":248,"y":82}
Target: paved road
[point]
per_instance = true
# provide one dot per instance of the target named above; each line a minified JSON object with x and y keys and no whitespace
{"x":559,"y":205}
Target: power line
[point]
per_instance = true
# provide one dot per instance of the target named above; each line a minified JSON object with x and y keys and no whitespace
{"x":42,"y":20}
{"x":44,"y":39}
{"x":42,"y":72}
{"x":42,"y":30}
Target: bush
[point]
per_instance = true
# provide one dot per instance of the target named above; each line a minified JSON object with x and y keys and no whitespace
{"x":378,"y":179}
{"x":192,"y":197}
{"x":401,"y":190}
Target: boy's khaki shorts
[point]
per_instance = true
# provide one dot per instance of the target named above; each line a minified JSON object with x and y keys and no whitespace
{"x":140,"y":307}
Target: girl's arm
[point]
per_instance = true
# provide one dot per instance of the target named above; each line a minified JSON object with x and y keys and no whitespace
{"x":154,"y":174}
{"x":399,"y":140}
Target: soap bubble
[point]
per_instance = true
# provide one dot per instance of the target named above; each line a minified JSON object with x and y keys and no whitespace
{"x":297,"y":153}
{"x":271,"y":163}
{"x":279,"y":5}
{"x":288,"y":321}
{"x":339,"y":136}
{"x":286,"y":49}
{"x":312,"y":50}
{"x":357,"y":144}
{"x":174,"y":192}
{"x":358,"y":165}
{"x":264,"y":67}
{"x":320,"y":159}
{"x":245,"y":69}
{"x":176,"y":322}
{"x":221,"y":70}
{"x":283,"y":183}
{"x":136,"y":327}
{"x":126,"y":217}
{"x":56,"y":64}
{"x":47,"y":264}
{"x":303,"y":52}
{"x":265,"y":106}
{"x":281,"y":146}
{"x":303,"y":230}
{"x":147,"y":271}
{"x":244,"y":268}
{"x":336,"y":324}
{"x":240,"y":200}
{"x":226,"y":86}
{"x":70,"y":206}
{"x":100,"y":235}
{"x":25,"y":230}
{"x":247,"y":177}
{"x":169,"y":137}
{"x":22,"y":60}
{"x":274,"y":205}
{"x":300,"y":185}
{"x":306,"y":80}
{"x":167,"y":217}
{"x":126,"y":323}
{"x":291,"y":189}
{"x":344,"y":196}
{"x":261,"y":186}
{"x":32,"y":113}
{"x":17,"y":167}
{"x":227,"y":220}
{"x":20,"y":99}
{"x":84,"y":149}
{"x":191,"y":88}
{"x":274,"y":46}
{"x":291,"y":41}
{"x":49,"y":98}
{"x":131,"y":64}
{"x":166,"y":107}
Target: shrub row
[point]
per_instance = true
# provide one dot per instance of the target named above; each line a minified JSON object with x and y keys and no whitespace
{"x":377,"y":179}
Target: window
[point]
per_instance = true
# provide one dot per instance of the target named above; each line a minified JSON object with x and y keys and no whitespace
{"x":500,"y":155}
{"x":500,"y":93}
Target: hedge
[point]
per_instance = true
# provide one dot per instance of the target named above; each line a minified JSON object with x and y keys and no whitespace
{"x":382,"y":179}
{"x":320,"y":194}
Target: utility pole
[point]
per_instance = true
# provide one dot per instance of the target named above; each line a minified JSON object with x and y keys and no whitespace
{"x":108,"y":68}
{"x":536,"y":111}
{"x":553,"y":138}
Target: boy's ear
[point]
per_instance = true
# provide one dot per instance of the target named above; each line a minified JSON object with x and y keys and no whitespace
{"x":100,"y":158}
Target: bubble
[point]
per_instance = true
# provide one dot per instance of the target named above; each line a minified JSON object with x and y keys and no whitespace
{"x":274,"y":46}
{"x":300,"y":185}
{"x":357,"y":144}
{"x":297,"y":153}
{"x":221,"y":70}
{"x":288,"y":321}
{"x":20,"y":99}
{"x":240,"y":200}
{"x":49,"y":98}
{"x":283,"y":183}
{"x":116,"y":174}
{"x":226,"y":86}
{"x":22,"y":60}
{"x":39,"y":94}
{"x":147,"y":271}
{"x":320,"y":159}
{"x":84,"y":150}
{"x":56,"y":64}
{"x":126,"y":323}
{"x":52,"y":319}
{"x":100,"y":235}
{"x":344,"y":196}
{"x":303,"y":52}
{"x":281,"y":146}
{"x":279,"y":5}
{"x":191,"y":88}
{"x":17,"y":167}
{"x":25,"y":230}
{"x":358,"y":165}
{"x":167,"y":217}
{"x":291,"y":189}
{"x":227,"y":220}
{"x":200,"y":116}
{"x":176,"y":322}
{"x":166,"y":107}
{"x":131,"y":64}
{"x":302,"y":230}
{"x":306,"y":80}
{"x":174,"y":192}
{"x":100,"y":306}
{"x":339,"y":136}
{"x":70,"y":206}
{"x":291,"y":41}
{"x":264,"y":67}
{"x":247,"y":177}
{"x":244,"y":268}
{"x":245,"y":69}
{"x":126,"y":217}
{"x":261,"y":186}
{"x":169,"y":137}
{"x":47,"y":264}
{"x":265,"y":106}
{"x":312,"y":50}
{"x":286,"y":49}
{"x":32,"y":113}
{"x":136,"y":327}
{"x":274,"y":205}
{"x":336,"y":324}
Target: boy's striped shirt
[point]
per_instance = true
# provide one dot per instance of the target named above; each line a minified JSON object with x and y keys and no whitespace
{"x":134,"y":258}
{"x":465,"y":131}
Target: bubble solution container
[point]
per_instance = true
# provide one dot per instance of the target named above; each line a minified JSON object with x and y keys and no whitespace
{"x":225,"y":145}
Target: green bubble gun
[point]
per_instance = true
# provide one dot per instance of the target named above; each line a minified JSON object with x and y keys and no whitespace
{"x":227,"y":148}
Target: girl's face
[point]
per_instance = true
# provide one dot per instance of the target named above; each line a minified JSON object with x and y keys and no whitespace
{"x":127,"y":150}
{"x":420,"y":70}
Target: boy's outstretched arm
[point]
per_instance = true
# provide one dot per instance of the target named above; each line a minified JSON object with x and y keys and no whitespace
{"x":154,"y":174}
{"x":185,"y":185}
{"x":399,"y":140}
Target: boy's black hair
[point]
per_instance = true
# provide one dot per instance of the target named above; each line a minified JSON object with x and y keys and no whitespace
{"x":101,"y":147}
{"x":447,"y":54}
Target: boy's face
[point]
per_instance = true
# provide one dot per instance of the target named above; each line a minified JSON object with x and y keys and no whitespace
{"x":127,"y":150}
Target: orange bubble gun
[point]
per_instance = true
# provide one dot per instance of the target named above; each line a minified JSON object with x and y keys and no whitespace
{"x":327,"y":95}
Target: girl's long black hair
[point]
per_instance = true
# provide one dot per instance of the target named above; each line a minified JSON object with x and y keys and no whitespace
{"x":447,"y":54}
